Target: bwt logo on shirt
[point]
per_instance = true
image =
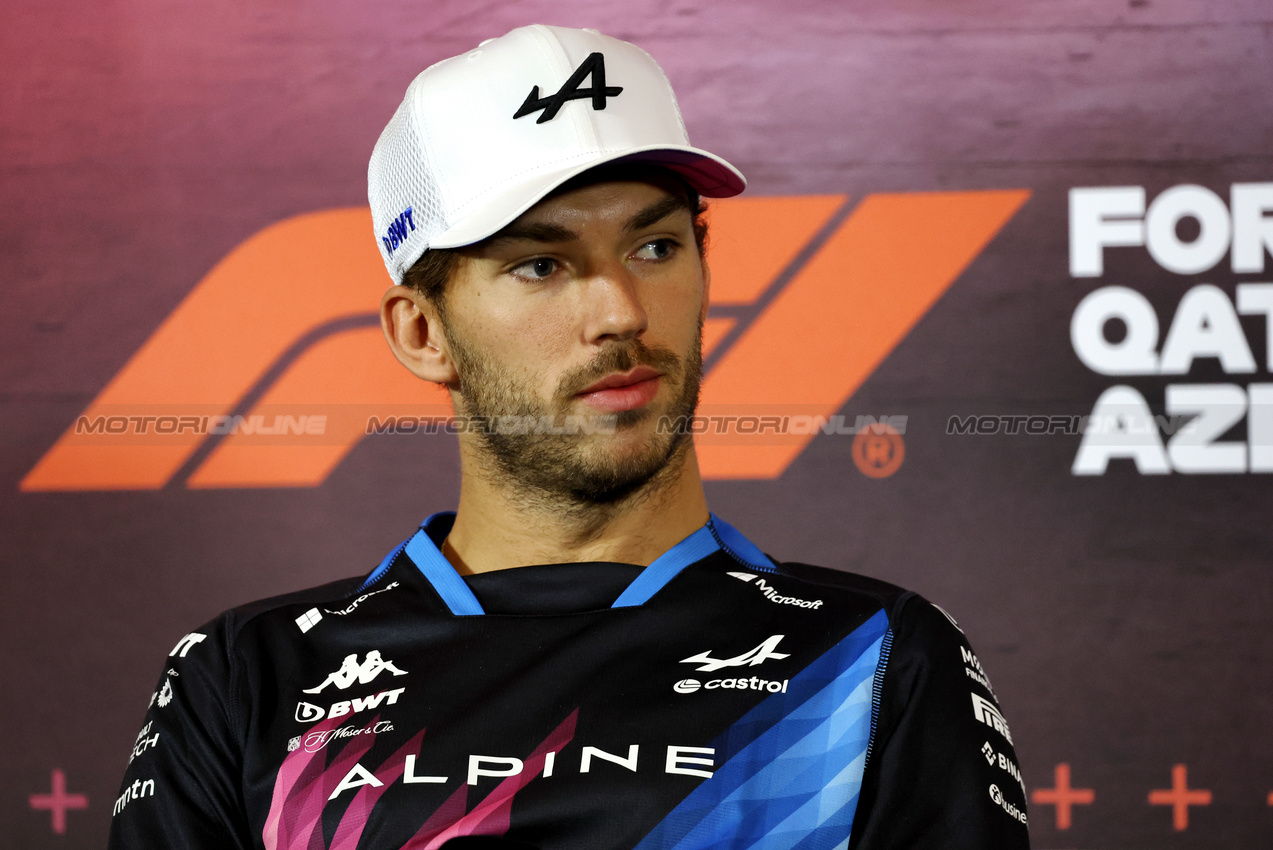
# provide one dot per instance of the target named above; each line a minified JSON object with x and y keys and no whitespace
{"x":397,"y":231}
{"x":308,"y":712}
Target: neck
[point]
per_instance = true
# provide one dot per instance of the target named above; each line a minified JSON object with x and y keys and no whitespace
{"x":498,"y":527}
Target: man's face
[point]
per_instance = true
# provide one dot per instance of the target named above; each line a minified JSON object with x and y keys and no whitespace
{"x":583,"y":317}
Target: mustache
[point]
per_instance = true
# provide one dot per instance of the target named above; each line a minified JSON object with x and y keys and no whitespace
{"x":619,"y":357}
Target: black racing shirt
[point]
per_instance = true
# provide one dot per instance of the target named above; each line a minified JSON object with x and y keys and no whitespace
{"x":714,"y":699}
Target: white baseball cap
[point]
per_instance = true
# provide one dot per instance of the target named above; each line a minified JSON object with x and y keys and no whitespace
{"x":482,"y":137}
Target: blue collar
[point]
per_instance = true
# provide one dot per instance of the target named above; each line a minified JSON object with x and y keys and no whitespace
{"x":716,"y":535}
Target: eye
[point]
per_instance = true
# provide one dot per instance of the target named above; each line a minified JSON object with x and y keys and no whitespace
{"x":656,"y":249}
{"x":538,"y":268}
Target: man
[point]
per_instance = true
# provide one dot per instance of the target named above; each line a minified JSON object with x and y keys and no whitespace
{"x":581,"y":656}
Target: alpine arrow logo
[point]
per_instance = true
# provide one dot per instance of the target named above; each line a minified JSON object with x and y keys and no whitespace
{"x":752,"y":657}
{"x":598,"y":92}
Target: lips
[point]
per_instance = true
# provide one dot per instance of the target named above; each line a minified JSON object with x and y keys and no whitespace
{"x":622,"y":379}
{"x":623,"y":390}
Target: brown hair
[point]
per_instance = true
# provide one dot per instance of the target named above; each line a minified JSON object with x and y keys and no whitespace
{"x":429,"y":274}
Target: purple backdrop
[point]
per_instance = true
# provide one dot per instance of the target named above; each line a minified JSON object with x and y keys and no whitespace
{"x":1123,"y":616}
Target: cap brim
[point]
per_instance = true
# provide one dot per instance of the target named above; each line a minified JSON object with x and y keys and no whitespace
{"x":707,"y":173}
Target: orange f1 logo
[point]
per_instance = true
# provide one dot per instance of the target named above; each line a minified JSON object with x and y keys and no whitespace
{"x":809,"y":295}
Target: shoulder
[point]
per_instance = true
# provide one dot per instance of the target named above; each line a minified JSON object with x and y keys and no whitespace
{"x":297,"y":611}
{"x":851,"y":582}
{"x":291,"y":605}
{"x":916,"y":622}
{"x":894,"y":600}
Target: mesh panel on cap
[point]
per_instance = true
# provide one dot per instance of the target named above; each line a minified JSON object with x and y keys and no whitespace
{"x":398,"y":178}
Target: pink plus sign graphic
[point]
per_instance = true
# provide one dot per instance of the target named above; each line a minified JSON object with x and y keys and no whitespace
{"x":1180,"y":797}
{"x":58,"y":801}
{"x":1063,"y":796}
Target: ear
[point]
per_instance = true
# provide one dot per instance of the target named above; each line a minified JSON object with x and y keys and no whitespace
{"x":414,"y":333}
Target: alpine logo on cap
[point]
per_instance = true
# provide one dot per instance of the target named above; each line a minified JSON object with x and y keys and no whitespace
{"x":595,"y":65}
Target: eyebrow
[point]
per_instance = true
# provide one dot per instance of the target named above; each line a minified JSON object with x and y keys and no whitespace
{"x":544,"y":232}
{"x":534,"y":232}
{"x":655,"y":213}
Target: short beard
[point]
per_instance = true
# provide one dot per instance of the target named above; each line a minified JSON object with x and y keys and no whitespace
{"x":556,"y":470}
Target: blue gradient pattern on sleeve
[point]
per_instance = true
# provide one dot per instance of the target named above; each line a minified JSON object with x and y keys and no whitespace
{"x":791,"y":768}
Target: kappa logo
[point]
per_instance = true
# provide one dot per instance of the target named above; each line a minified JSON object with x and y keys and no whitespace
{"x":772,"y":594}
{"x":594,"y":65}
{"x":819,"y":281}
{"x":762,"y":653}
{"x":352,"y":672}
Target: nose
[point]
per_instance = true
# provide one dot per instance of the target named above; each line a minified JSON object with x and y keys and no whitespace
{"x":613,"y":306}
